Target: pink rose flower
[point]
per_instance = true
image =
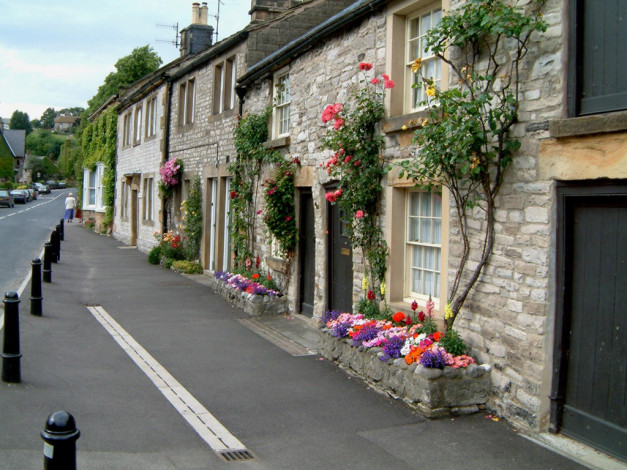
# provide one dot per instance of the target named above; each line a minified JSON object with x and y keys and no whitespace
{"x":359,"y":214}
{"x":375,"y":81}
{"x":365,"y":66}
{"x":338,"y":123}
{"x":389,"y":84}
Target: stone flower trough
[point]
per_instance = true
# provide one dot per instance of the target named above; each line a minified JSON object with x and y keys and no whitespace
{"x":434,"y":393}
{"x":253,"y":305}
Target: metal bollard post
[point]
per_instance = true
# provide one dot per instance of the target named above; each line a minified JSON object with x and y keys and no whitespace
{"x":62,"y":231}
{"x":58,"y":239}
{"x":60,"y":435}
{"x":47,"y":276}
{"x":53,"y":242}
{"x":11,"y":372}
{"x":35,"y":289}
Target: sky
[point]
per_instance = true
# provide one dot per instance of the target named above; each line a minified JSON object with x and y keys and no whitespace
{"x":56,"y":53}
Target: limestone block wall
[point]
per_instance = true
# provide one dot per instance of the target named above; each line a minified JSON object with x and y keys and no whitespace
{"x":142,"y":159}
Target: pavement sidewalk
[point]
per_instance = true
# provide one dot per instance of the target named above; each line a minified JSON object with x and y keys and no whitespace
{"x":288,"y":407}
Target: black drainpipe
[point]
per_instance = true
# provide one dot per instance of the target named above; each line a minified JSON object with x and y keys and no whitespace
{"x":241,"y":93}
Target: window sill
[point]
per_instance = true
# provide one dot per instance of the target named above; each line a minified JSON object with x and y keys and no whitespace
{"x":410,"y":121}
{"x":278,"y":142}
{"x":586,"y":125}
{"x":226,"y":114}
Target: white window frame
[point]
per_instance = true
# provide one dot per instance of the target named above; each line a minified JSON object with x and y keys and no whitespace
{"x":282,"y":101}
{"x":95,"y":190}
{"x":414,"y":96}
{"x":434,"y":224}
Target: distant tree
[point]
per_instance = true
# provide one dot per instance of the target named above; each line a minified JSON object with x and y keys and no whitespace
{"x":47,"y":118}
{"x":36,"y":124}
{"x":76,"y":111}
{"x":20,"y":120}
{"x":45,"y":143}
{"x":139,"y":63}
{"x":42,"y":166}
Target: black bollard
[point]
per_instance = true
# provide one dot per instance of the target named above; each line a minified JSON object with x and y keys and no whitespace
{"x":47,"y":275}
{"x":11,"y":372}
{"x":58,"y":239}
{"x":35,"y":289}
{"x":60,"y":435}
{"x":53,"y":242}
{"x":62,"y":231}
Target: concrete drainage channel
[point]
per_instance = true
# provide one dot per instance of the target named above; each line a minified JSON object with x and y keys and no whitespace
{"x":221,"y":441}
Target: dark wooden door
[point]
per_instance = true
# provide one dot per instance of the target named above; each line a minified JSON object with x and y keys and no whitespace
{"x":594,"y":321}
{"x":340,"y":263}
{"x":306,"y":253}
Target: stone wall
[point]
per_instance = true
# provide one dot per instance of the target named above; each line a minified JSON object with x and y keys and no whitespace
{"x":142,"y":159}
{"x":435,"y":393}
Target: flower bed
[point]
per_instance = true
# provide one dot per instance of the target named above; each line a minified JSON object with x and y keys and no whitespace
{"x":406,"y":362}
{"x":252,"y":297}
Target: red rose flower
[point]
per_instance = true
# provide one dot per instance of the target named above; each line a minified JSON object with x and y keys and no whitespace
{"x":365,"y":66}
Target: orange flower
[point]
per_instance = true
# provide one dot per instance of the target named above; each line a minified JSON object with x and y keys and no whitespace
{"x":437,"y":336}
{"x":255,"y":276}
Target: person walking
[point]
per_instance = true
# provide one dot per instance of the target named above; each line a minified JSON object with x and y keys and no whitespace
{"x":70,"y":205}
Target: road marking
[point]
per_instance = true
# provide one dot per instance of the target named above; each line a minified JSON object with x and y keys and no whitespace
{"x":24,"y":210}
{"x":198,"y":417}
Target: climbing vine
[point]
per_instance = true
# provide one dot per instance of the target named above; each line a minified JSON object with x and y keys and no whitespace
{"x":465,"y":143}
{"x":280,"y":212}
{"x":358,"y":165}
{"x":98,"y":144}
{"x":249,"y":136}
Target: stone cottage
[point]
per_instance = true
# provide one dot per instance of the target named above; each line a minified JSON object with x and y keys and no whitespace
{"x":547,"y":313}
{"x":195,"y":111}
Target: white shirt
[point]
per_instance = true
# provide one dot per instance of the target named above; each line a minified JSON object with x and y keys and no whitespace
{"x":70,"y":202}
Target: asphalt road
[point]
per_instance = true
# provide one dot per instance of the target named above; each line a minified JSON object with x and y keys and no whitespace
{"x":23,"y":231}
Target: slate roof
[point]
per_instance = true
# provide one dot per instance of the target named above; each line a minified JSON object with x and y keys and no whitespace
{"x":16,"y":139}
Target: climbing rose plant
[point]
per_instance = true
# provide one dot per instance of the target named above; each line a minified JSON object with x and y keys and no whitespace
{"x":465,"y":143}
{"x":358,"y":165}
{"x":280,"y":213}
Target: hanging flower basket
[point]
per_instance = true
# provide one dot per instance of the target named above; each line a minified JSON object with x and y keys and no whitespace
{"x":171,"y":172}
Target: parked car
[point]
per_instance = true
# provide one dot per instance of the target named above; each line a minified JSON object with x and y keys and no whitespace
{"x":52,"y":184}
{"x":6,"y":199}
{"x":20,"y":195}
{"x":33,"y":193}
{"x":61,"y":185}
{"x":42,"y":188}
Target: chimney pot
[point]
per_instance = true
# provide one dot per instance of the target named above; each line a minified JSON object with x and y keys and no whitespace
{"x":203,"y":13}
{"x":195,"y":13}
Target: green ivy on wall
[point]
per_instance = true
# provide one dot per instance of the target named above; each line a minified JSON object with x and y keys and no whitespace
{"x":249,"y":135}
{"x":98,"y":144}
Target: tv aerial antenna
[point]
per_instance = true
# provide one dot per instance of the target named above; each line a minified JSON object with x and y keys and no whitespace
{"x":176,"y":42}
{"x":217,"y":17}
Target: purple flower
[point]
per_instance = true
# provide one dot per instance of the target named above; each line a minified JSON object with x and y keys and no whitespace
{"x":367,"y":333}
{"x":392,"y":348}
{"x":329,"y":316}
{"x":434,"y":358}
{"x":340,"y":330}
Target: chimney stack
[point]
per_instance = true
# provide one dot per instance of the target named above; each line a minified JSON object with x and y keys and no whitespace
{"x":264,"y":10}
{"x":198,"y":35}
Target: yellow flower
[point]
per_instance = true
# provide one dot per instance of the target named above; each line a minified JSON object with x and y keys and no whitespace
{"x":425,"y":121}
{"x":416,"y":65}
{"x":382,"y":287}
{"x":431,"y":91}
{"x":364,"y":283}
{"x":448,"y":311}
{"x":404,"y":128}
